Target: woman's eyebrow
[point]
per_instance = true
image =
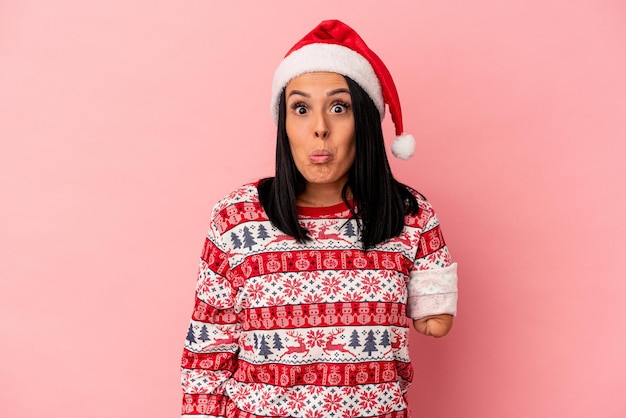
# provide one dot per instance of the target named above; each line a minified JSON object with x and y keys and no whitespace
{"x":301,"y":93}
{"x":337,"y":91}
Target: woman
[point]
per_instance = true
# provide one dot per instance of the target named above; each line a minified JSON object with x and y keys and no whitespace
{"x":307,"y":279}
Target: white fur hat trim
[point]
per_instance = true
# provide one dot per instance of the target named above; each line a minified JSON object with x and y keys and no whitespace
{"x":332,"y":58}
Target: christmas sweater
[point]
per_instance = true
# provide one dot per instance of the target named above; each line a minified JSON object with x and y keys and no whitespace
{"x":320,"y":329}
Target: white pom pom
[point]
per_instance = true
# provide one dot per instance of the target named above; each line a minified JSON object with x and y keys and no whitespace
{"x":403,"y":146}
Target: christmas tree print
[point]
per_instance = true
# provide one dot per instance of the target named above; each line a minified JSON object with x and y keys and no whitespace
{"x":256,"y":341}
{"x":204,"y":333}
{"x":384,"y":339}
{"x":236,"y":241}
{"x":248,"y":239}
{"x":264,"y":349}
{"x":190,"y":337}
{"x":349,"y":229}
{"x":262,"y":232}
{"x":370,"y":344}
{"x":354,"y":340}
{"x":278,"y":344}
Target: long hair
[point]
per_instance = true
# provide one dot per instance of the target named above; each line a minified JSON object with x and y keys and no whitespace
{"x":380,"y":202}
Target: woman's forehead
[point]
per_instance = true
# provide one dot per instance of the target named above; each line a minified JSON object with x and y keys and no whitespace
{"x":318,"y":81}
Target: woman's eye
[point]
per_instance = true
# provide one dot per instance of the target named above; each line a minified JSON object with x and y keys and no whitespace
{"x":339,"y":108}
{"x":300,"y":109}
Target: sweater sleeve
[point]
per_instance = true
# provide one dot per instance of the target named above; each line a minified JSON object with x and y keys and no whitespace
{"x":432,"y":287}
{"x":210,"y":352}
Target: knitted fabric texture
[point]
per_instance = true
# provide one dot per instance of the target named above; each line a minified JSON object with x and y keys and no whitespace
{"x":308,"y":330}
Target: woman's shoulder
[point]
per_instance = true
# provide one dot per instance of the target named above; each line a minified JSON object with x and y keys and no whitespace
{"x":422,"y":203}
{"x":424,"y":211}
{"x":418,"y":196}
{"x":247,"y":192}
{"x":240,"y":205}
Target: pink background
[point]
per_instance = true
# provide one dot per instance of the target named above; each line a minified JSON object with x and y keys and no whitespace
{"x":121,"y":124}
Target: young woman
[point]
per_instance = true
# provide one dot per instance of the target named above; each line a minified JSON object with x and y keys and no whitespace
{"x":310,"y":279}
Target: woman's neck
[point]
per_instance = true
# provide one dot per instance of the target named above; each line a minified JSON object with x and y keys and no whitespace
{"x":321,"y":195}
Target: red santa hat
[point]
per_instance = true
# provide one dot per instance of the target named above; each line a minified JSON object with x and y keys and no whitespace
{"x":335,"y":47}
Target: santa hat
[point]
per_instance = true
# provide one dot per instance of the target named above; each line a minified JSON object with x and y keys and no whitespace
{"x":335,"y":47}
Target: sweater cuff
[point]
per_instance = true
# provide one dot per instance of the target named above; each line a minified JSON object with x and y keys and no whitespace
{"x":432,"y":292}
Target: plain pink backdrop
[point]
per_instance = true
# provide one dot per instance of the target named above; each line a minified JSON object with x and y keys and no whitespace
{"x":121,"y":124}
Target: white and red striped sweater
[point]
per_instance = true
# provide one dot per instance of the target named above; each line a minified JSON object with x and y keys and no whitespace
{"x":309,"y":330}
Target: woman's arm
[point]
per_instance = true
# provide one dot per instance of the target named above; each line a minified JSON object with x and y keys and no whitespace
{"x":432,"y":287}
{"x":210,"y":353}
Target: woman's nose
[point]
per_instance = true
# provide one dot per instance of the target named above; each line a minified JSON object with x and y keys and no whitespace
{"x":321,"y":128}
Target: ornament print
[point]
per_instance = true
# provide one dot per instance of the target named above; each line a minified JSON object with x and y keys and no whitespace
{"x":304,"y":330}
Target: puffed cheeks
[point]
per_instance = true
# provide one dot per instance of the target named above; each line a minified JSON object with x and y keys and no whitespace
{"x":432,"y":292}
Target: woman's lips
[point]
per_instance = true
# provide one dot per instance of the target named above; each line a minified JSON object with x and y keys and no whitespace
{"x":320,"y":156}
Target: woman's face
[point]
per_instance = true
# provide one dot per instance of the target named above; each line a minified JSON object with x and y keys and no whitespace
{"x":320,"y":127}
